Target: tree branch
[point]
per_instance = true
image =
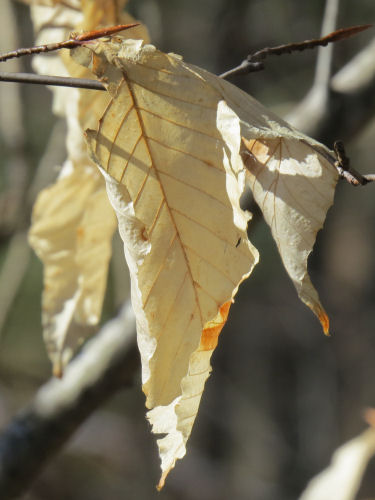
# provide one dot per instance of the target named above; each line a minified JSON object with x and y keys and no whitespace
{"x":106,"y":364}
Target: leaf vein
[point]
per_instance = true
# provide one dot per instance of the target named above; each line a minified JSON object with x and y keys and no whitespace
{"x":130,"y":157}
{"x":196,"y":188}
{"x":181,"y":125}
{"x":141,"y":123}
{"x":202,"y":226}
{"x":211,"y":264}
{"x":156,"y":218}
{"x":166,"y":146}
{"x":303,"y":175}
{"x":108,"y":107}
{"x":116,"y":136}
{"x":161,"y":267}
{"x":162,"y":94}
{"x":175,"y":298}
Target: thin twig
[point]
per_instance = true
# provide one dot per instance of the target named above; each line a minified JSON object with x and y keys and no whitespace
{"x":254,"y":62}
{"x":344,"y":169}
{"x":61,"y":81}
{"x":74,"y":41}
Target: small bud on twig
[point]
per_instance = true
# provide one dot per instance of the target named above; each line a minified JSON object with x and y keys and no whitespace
{"x":74,"y":41}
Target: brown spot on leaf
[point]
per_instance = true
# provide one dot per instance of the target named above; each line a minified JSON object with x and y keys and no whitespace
{"x":258,"y":149}
{"x":97,"y":66}
{"x":211,"y":332}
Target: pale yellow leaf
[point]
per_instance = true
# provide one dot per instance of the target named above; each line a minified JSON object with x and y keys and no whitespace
{"x":293,"y":184}
{"x":73,"y":222}
{"x":71,"y":232}
{"x":293,"y":180}
{"x":175,"y":186}
{"x":64,"y":226}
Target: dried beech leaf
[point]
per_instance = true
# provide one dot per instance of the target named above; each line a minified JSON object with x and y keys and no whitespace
{"x":342,"y":478}
{"x":293,"y":180}
{"x":71,"y":232}
{"x":293,"y":184}
{"x":63,"y":233}
{"x":175,"y":185}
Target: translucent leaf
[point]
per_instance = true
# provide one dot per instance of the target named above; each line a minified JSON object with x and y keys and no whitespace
{"x":73,"y":222}
{"x":293,"y":184}
{"x":175,"y":186}
{"x":71,"y":232}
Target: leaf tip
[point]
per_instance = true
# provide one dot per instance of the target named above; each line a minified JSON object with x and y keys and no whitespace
{"x":322,"y":316}
{"x":160,"y":486}
{"x":324,"y":321}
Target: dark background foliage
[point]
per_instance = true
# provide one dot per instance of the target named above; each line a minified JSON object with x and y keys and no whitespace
{"x":282,"y":397}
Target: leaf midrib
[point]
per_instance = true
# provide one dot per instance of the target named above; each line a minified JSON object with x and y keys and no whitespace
{"x":143,"y":131}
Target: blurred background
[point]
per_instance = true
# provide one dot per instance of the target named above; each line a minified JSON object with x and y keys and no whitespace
{"x":282,"y":397}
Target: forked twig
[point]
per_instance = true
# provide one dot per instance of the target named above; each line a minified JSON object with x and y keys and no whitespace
{"x":254,"y":62}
